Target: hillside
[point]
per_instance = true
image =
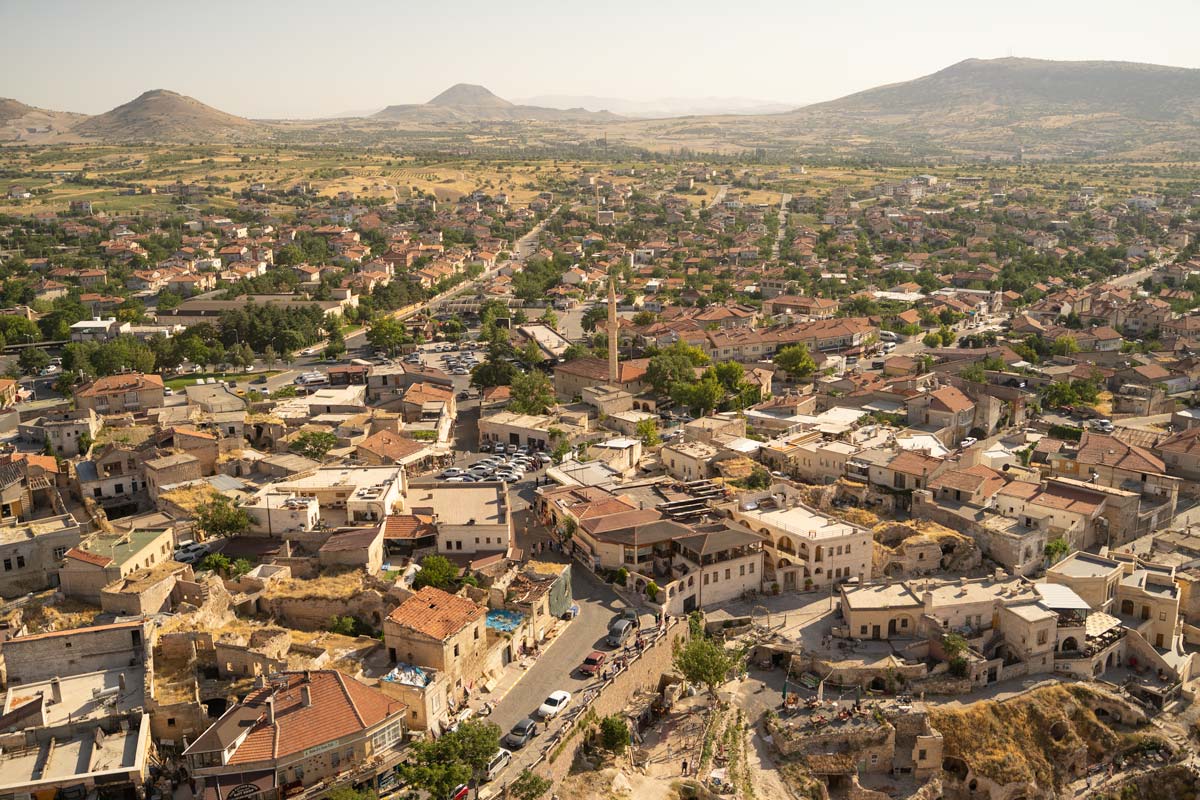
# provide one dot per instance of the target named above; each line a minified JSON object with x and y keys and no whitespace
{"x":977,"y":108}
{"x":466,"y":103}
{"x":27,"y":124}
{"x":161,"y":115}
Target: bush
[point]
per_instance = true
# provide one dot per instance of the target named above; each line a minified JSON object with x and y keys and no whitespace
{"x":622,"y":576}
{"x":614,"y":734}
{"x":652,"y":590}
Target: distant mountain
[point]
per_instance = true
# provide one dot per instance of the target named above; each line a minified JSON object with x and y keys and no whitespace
{"x":24,"y":123}
{"x":469,"y":95}
{"x":161,"y":115}
{"x":997,"y":108}
{"x":465,"y":103}
{"x":664,"y":106}
{"x":1025,"y":88}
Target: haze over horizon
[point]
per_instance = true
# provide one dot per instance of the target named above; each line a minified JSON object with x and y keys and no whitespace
{"x":304,"y":60}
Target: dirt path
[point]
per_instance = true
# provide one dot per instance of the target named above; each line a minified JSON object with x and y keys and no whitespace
{"x":764,"y":776}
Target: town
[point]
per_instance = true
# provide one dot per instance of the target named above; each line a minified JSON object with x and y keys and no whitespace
{"x":346,"y":475}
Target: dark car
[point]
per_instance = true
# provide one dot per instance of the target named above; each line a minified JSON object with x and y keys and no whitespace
{"x":592,"y":664}
{"x":520,"y":735}
{"x":260,"y":379}
{"x":630,"y":614}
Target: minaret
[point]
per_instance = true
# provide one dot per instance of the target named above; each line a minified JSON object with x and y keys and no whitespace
{"x":613,"y":333}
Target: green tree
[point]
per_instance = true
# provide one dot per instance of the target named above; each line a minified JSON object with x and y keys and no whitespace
{"x":270,"y":356}
{"x":348,"y":793}
{"x":313,"y":444}
{"x":796,"y":361}
{"x":550,"y":319}
{"x":386,"y":334}
{"x":674,"y":364}
{"x":1064,"y":345}
{"x":528,"y":786}
{"x":216,"y":562}
{"x":614,"y":733}
{"x":33,"y":360}
{"x":704,"y":662}
{"x":974,"y":373}
{"x":593,"y":316}
{"x":647,"y":431}
{"x":437,"y":766}
{"x":531,"y":393}
{"x":1056,"y":549}
{"x":335,"y":345}
{"x":241,"y":567}
{"x":436,"y":571}
{"x":220,"y":517}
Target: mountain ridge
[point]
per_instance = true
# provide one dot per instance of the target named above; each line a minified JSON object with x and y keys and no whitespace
{"x":165,"y":115}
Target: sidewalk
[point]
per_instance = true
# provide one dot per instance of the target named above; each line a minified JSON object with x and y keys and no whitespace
{"x":515,"y":671}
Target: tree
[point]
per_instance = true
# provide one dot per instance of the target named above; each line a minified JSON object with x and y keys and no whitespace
{"x":335,"y":345}
{"x":528,"y":786}
{"x":674,"y":364}
{"x":1056,"y":549}
{"x":974,"y":373}
{"x":531,"y":393}
{"x":437,"y":766}
{"x":270,"y":356}
{"x":1064,"y":345}
{"x":313,"y":444}
{"x":386,"y":334}
{"x":436,"y":571}
{"x":593,"y":316}
{"x":349,"y":793}
{"x":550,"y":319}
{"x":216,"y":562}
{"x":33,"y":360}
{"x":220,"y":517}
{"x":704,"y":662}
{"x":796,"y":361}
{"x":614,"y":733}
{"x":647,"y":431}
{"x":702,"y":396}
{"x":644,"y":318}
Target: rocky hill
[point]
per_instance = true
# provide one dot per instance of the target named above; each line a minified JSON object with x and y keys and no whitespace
{"x":466,"y":103}
{"x":983,"y":108}
{"x":161,"y":115}
{"x":27,"y":124}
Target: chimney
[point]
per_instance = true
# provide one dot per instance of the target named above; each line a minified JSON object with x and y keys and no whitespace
{"x":121,"y":680}
{"x":306,"y":696}
{"x":56,"y":690}
{"x":271,"y":710}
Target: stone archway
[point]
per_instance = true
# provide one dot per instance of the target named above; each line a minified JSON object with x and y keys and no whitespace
{"x":1069,"y":644}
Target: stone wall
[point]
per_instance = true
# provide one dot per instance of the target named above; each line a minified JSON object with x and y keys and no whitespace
{"x":314,"y":613}
{"x":641,"y":674}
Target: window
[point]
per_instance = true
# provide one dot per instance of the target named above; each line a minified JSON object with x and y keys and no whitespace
{"x":21,"y":565}
{"x":726,"y":572}
{"x":752,"y":569}
{"x":863,"y":630}
{"x":920,"y":755}
{"x":903,"y":622}
{"x":60,"y":553}
{"x":1162,"y":615}
{"x":170,"y":722}
{"x":8,"y":566}
{"x":477,"y":634}
{"x":1041,"y":637}
{"x":742,"y":570}
{"x":705,"y":578}
{"x":456,"y":651}
{"x":847,"y":549}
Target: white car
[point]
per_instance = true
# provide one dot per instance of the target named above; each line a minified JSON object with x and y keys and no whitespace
{"x":554,"y":704}
{"x":967,"y":442}
{"x":453,"y":472}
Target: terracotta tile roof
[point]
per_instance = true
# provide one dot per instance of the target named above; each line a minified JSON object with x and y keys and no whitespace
{"x":1096,"y":448}
{"x":436,"y":614}
{"x":117,"y":384}
{"x":597,"y":369}
{"x":978,"y":478}
{"x":1022,"y":489}
{"x":390,"y":445}
{"x":408,"y":526}
{"x":1065,"y":498}
{"x":88,"y":558}
{"x":1185,"y":442}
{"x":340,"y":707}
{"x":913,"y":463}
{"x":421,"y":392}
{"x":951,"y":399}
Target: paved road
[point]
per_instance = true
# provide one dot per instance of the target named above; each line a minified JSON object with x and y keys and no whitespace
{"x":555,"y":667}
{"x":784,"y":199}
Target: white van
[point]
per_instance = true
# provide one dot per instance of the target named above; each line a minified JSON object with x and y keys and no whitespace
{"x":889,"y":336}
{"x":497,"y":764}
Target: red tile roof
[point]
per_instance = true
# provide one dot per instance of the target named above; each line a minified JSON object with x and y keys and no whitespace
{"x":88,"y":558}
{"x":436,"y":614}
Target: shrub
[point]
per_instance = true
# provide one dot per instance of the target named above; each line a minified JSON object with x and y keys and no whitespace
{"x":614,"y":734}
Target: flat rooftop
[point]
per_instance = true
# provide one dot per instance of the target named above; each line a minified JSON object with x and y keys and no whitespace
{"x":28,"y":530}
{"x":799,"y":521}
{"x":92,"y":695}
{"x":57,"y":759}
{"x":1085,"y":565}
{"x":459,"y":503}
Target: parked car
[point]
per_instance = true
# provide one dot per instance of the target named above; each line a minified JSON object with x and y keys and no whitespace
{"x":630,"y":614}
{"x":967,"y":442}
{"x":1103,"y":425}
{"x":619,"y":633}
{"x":453,"y":472}
{"x":592,"y":664}
{"x":191,"y":552}
{"x":554,"y":704}
{"x":521,"y":734}
{"x":461,"y":792}
{"x":497,"y":765}
{"x":168,"y":392}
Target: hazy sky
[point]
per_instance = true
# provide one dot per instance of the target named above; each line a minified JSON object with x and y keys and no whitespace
{"x":297,"y":58}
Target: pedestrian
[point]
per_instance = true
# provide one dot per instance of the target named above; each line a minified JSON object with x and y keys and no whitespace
{"x":685,"y":772}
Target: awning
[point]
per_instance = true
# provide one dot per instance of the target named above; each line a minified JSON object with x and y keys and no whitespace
{"x":1057,"y":597}
{"x":238,"y":785}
